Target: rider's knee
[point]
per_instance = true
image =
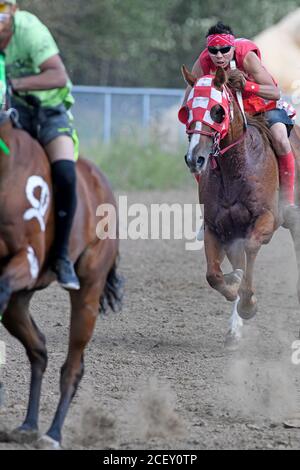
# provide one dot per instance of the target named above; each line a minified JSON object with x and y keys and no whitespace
{"x":282,"y":145}
{"x":64,"y":172}
{"x":281,"y":141}
{"x":60,"y":148}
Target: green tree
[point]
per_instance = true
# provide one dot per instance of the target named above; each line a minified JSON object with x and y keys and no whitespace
{"x":142,"y":42}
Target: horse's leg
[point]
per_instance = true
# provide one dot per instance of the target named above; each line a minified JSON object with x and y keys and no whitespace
{"x":18,"y":322}
{"x":261,"y":234}
{"x":20,"y":273}
{"x":236,"y":255}
{"x":247,"y":306}
{"x":85,"y":309}
{"x":295,"y":233}
{"x":227,"y":285}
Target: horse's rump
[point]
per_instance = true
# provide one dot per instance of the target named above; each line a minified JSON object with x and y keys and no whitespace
{"x":295,"y":142}
{"x":93,"y":189}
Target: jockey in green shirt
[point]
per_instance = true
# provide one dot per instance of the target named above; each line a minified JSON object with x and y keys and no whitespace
{"x":41,"y":93}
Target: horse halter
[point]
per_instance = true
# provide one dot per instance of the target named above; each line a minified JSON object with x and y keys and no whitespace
{"x":201,"y":100}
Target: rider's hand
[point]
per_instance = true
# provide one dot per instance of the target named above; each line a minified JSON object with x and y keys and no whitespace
{"x":236,"y":80}
{"x":10,"y":88}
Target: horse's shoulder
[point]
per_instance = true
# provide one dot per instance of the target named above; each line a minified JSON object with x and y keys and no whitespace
{"x":28,"y":152}
{"x":90,"y":174}
{"x":88,"y":169}
{"x":295,"y":135}
{"x":295,"y":142}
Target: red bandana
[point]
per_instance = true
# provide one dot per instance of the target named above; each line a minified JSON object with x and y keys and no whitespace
{"x":222,"y":40}
{"x":201,"y":100}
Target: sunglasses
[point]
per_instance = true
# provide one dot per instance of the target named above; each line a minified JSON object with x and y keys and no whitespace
{"x":4,"y":17}
{"x":223,"y":50}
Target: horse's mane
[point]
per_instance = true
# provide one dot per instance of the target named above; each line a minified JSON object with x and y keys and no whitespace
{"x":235,"y":83}
{"x":260,"y":123}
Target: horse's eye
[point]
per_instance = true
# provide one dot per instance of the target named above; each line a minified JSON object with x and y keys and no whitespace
{"x":217,"y":114}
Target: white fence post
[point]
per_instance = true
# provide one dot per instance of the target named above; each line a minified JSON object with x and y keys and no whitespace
{"x":107,"y":118}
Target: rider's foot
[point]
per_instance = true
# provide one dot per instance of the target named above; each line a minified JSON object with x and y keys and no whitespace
{"x":66,"y":276}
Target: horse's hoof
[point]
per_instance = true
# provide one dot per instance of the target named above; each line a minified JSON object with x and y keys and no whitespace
{"x":233,"y":278}
{"x":293,"y":422}
{"x":232,"y":341}
{"x":47,"y":443}
{"x":233,"y":281}
{"x":23,"y":436}
{"x":4,"y":435}
{"x":247,"y":310}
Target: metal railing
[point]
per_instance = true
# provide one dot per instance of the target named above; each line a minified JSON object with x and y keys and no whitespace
{"x":104,"y":113}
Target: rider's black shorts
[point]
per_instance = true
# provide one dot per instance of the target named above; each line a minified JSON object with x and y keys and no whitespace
{"x":279,"y":115}
{"x":45,"y":124}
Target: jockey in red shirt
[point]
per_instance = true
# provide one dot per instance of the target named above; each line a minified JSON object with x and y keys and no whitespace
{"x":260,"y":94}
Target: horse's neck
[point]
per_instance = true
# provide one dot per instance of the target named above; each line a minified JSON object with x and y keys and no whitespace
{"x":229,"y":163}
{"x":236,"y":127}
{"x":6,"y":157}
{"x":5,"y":154}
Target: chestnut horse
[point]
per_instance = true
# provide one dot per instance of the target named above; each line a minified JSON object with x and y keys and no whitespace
{"x":239,"y":189}
{"x":26,"y":238}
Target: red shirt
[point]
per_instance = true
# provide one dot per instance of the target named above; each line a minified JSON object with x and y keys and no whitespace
{"x":252,"y":103}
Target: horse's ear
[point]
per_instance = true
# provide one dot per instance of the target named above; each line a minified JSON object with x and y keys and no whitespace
{"x":220,"y":78}
{"x":188,"y":76}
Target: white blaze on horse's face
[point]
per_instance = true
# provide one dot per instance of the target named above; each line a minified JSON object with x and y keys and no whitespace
{"x":200,"y":148}
{"x":206,"y":116}
{"x":195,"y":139}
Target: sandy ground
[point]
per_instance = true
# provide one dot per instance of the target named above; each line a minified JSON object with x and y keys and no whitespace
{"x":158,"y":376}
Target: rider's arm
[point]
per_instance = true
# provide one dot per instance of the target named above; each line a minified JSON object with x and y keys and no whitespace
{"x":267,"y":88}
{"x":52,"y":75}
{"x":198,"y":72}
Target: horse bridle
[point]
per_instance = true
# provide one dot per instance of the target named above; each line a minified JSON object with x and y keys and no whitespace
{"x":216,"y":150}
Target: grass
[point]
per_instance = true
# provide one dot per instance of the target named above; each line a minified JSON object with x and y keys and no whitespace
{"x":132,"y":166}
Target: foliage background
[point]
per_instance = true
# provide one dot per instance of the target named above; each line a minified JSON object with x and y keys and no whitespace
{"x":143,"y":42}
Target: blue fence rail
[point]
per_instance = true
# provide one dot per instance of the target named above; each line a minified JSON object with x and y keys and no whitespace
{"x":103,"y":114}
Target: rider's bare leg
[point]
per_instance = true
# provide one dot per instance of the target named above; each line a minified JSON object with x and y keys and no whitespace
{"x":286,"y":162}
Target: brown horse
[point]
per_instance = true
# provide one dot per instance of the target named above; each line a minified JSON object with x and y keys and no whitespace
{"x":26,"y":237}
{"x":239,"y":191}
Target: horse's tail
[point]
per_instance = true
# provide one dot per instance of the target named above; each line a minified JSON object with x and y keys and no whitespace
{"x":113,"y":293}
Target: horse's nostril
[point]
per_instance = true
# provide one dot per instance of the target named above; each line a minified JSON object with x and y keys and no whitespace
{"x":200,"y":161}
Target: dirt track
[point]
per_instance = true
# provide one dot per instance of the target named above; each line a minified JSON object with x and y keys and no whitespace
{"x":158,"y":376}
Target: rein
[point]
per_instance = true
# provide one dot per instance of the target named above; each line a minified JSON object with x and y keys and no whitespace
{"x":234,"y":144}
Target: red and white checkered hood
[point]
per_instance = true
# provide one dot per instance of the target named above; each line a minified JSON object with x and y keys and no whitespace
{"x":202,"y":98}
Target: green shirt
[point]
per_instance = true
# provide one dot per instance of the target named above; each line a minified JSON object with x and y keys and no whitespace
{"x":30,"y":46}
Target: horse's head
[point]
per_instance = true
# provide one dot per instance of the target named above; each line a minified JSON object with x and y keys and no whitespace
{"x":206,"y":116}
